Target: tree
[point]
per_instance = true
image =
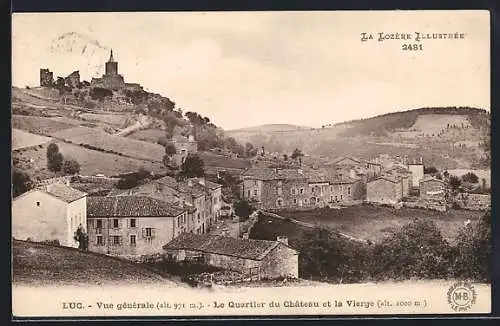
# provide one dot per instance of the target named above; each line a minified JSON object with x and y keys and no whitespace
{"x":21,"y":182}
{"x":243,"y":209}
{"x":51,"y":150}
{"x":473,"y":250}
{"x":470,"y":178}
{"x":417,"y":250}
{"x":170,"y":149}
{"x":193,"y":166}
{"x":55,"y":163}
{"x":297,"y":154}
{"x":430,"y":170}
{"x":455,"y":183}
{"x":71,"y":166}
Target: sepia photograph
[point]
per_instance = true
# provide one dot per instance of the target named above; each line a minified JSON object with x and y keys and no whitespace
{"x":250,"y":163}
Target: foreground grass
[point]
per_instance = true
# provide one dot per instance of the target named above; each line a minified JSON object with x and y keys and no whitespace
{"x":40,"y":264}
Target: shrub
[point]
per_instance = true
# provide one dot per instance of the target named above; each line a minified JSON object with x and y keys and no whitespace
{"x":418,"y":250}
{"x":71,"y":166}
{"x":472,"y":253}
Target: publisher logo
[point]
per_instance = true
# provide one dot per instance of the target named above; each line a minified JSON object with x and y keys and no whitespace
{"x":461,"y":296}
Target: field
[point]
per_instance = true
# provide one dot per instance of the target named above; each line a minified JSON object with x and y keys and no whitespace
{"x":374,"y":223}
{"x":433,"y":123}
{"x":92,"y":162}
{"x":149,"y":135}
{"x":39,"y":125}
{"x":117,"y":120}
{"x":23,"y":139}
{"x":102,"y":140}
{"x":211,"y":159}
{"x":39,"y":264}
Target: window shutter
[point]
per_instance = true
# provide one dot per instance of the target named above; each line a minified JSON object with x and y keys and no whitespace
{"x":153,"y":233}
{"x":143,"y":233}
{"x":103,"y":240}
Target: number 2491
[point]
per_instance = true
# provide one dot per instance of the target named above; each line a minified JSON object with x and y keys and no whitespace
{"x":412,"y":47}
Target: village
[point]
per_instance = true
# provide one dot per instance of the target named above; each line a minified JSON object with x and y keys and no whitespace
{"x":194,"y":218}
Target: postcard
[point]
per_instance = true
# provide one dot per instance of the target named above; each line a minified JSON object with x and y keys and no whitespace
{"x":251,"y":163}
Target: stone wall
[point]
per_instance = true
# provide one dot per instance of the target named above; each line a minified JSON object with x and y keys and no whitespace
{"x":473,"y":201}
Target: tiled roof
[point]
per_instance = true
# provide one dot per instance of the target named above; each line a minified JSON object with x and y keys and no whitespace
{"x":207,"y":184}
{"x":430,"y":178}
{"x":125,"y":206}
{"x":342,"y":180}
{"x":216,"y":244}
{"x":340,"y":158}
{"x":63,"y":192}
{"x":275,"y":174}
{"x":387,"y":178}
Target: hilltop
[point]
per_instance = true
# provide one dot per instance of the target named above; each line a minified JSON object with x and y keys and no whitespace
{"x":451,"y":137}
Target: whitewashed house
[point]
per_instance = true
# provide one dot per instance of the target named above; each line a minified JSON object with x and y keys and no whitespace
{"x":50,"y":212}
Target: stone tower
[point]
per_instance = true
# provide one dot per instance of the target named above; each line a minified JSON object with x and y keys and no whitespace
{"x":111,"y":65}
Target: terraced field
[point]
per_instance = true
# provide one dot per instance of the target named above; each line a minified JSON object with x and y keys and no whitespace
{"x":39,"y":125}
{"x":34,"y":161}
{"x":103,"y":141}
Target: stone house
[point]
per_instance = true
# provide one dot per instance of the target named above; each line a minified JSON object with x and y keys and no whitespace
{"x":417,"y":171}
{"x":132,"y":226}
{"x":248,"y":256}
{"x":432,"y":188}
{"x":49,"y":212}
{"x":275,"y":189}
{"x":405,"y":176}
{"x":200,"y":197}
{"x":184,"y":146}
{"x":384,"y":190}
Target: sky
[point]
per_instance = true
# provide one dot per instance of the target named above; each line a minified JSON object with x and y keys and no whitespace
{"x":244,"y":69}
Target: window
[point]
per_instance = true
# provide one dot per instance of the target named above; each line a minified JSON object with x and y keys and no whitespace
{"x":255,"y":192}
{"x":336,"y":198}
{"x":116,"y":239}
{"x":99,"y":240}
{"x":279,"y":202}
{"x":115,"y":223}
{"x":341,"y":197}
{"x":132,"y":240}
{"x":132,"y":223}
{"x":99,"y":224}
{"x":294,"y":191}
{"x":248,"y":192}
{"x":301,"y":190}
{"x":349,"y":190}
{"x":37,"y":203}
{"x":295,"y":201}
{"x":149,"y":232}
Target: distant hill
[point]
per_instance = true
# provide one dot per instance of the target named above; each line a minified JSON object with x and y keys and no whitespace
{"x":269,"y":128}
{"x":412,"y":120}
{"x":451,"y":137}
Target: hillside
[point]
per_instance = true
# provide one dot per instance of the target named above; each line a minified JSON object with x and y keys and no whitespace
{"x":447,"y":137}
{"x":41,"y":264}
{"x":410,"y":120}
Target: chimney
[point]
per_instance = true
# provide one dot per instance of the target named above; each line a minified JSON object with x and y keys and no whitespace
{"x":202,"y":181}
{"x":282,"y":239}
{"x":67,"y":182}
{"x":421,"y":160}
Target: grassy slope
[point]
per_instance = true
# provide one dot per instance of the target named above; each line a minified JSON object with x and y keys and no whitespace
{"x":91,"y":162}
{"x":367,"y":222}
{"x":39,"y":264}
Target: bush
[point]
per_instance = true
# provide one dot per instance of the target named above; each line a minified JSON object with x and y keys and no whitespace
{"x":472,"y":253}
{"x":418,"y":250}
{"x":71,"y":166}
